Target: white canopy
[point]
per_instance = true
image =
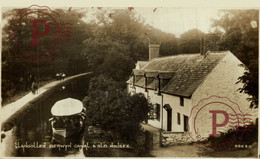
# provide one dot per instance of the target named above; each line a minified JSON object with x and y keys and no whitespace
{"x":66,"y":107}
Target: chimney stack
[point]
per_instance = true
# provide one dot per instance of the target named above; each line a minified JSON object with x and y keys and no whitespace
{"x":153,"y":51}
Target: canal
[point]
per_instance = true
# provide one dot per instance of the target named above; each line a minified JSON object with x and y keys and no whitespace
{"x":31,"y":135}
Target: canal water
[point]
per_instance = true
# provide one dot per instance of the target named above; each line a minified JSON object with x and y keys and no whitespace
{"x":31,"y":136}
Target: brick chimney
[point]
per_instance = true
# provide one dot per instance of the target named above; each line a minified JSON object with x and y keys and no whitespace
{"x":153,"y":51}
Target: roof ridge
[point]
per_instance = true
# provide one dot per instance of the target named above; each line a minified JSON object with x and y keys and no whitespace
{"x":189,"y":70}
{"x":190,"y":54}
{"x":219,"y":52}
{"x":177,"y":55}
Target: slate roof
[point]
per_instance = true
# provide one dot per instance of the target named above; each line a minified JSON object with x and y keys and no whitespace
{"x":151,"y":85}
{"x":142,"y":63}
{"x":130,"y":80}
{"x":188,"y":71}
{"x":140,"y":82}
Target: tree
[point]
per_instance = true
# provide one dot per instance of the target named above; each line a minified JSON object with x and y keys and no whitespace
{"x":112,"y":109}
{"x":240,"y":36}
{"x":250,"y":81}
{"x":189,"y":42}
{"x":109,"y":45}
{"x":120,"y":39}
{"x":70,"y":60}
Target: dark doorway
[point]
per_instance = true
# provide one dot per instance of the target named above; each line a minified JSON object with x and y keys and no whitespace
{"x":185,"y":122}
{"x":169,"y":120}
{"x":168,"y":108}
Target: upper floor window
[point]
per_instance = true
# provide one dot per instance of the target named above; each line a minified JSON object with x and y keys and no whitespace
{"x":181,"y":101}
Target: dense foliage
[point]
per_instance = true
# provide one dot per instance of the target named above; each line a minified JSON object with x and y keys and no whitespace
{"x":112,"y":109}
{"x":109,"y":44}
{"x":240,"y":36}
{"x":189,"y":42}
{"x":246,"y":135}
{"x":113,"y":40}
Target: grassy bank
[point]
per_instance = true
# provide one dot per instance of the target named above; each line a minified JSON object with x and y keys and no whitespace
{"x":19,"y":94}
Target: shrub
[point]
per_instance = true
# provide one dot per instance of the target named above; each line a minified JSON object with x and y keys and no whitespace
{"x":245,"y":135}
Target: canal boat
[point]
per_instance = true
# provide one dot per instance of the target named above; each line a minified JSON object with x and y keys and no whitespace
{"x":68,"y":120}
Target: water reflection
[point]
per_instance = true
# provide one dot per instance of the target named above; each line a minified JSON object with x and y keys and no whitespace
{"x":34,"y":129}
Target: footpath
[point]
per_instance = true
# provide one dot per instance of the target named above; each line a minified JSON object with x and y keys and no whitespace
{"x":9,"y":109}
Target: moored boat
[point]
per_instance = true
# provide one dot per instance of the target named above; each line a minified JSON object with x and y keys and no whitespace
{"x":68,"y":120}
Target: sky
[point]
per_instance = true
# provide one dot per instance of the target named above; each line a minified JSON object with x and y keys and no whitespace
{"x":172,"y":20}
{"x":179,"y":20}
{"x":176,"y":19}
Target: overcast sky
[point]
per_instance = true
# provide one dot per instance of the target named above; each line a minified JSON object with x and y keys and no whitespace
{"x":173,"y":20}
{"x":179,"y":20}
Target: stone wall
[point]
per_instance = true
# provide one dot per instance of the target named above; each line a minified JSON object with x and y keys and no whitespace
{"x":175,"y":138}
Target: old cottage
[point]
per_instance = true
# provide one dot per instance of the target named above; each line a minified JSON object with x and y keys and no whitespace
{"x":174,"y":84}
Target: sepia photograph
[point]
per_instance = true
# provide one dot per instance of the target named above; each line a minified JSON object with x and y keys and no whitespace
{"x":129,"y":82}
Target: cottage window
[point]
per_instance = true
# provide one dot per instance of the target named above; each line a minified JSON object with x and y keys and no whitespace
{"x":157,"y":107}
{"x":179,"y":119}
{"x":152,"y":113}
{"x":181,"y":101}
{"x":186,"y":119}
{"x":155,"y":112}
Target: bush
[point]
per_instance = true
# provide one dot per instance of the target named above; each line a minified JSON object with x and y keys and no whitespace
{"x":245,"y":135}
{"x":113,"y":110}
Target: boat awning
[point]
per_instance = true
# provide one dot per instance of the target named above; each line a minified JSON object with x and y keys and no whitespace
{"x":67,"y":107}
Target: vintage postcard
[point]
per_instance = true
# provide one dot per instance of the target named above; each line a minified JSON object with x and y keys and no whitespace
{"x":129,"y":81}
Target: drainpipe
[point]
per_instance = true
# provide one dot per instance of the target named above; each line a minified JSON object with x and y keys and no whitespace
{"x":162,"y":114}
{"x":161,"y":145}
{"x":145,"y":83}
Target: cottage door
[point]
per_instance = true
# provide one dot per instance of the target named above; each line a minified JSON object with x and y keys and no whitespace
{"x":186,"y":118}
{"x":169,"y":120}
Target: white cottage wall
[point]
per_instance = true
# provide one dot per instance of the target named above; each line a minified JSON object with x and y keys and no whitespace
{"x":155,"y":99}
{"x":222,"y":82}
{"x":174,"y":102}
{"x":130,"y":89}
{"x":140,"y":90}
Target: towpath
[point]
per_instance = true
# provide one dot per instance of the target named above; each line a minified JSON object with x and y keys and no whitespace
{"x":9,"y":109}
